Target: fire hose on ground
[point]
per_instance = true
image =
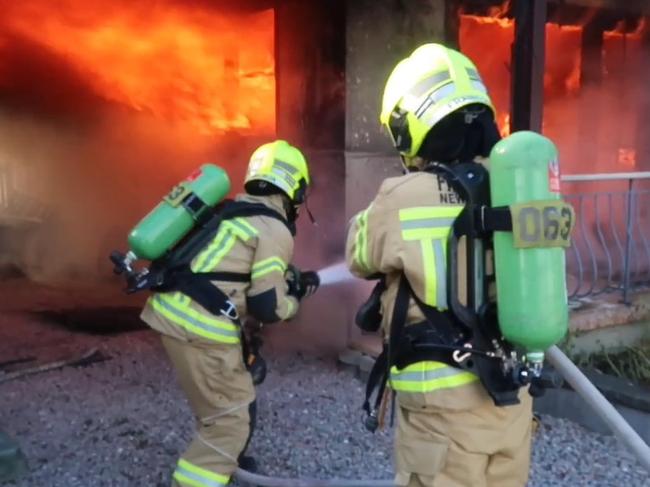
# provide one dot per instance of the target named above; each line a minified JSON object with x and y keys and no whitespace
{"x":578,"y":381}
{"x":262,"y":480}
{"x":601,"y":406}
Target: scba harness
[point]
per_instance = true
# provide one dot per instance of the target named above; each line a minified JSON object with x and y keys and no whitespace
{"x":466,"y":336}
{"x":172,"y":272}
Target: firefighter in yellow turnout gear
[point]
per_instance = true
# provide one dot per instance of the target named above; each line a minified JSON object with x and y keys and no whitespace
{"x":205,"y":349}
{"x":449,"y":432}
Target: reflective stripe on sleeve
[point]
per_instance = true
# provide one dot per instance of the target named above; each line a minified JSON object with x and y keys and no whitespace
{"x":266,"y":266}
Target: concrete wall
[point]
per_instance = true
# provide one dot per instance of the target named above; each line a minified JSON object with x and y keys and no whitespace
{"x":379,"y":34}
{"x":310,"y":73}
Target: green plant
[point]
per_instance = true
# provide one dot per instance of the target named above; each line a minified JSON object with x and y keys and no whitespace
{"x":632,"y":363}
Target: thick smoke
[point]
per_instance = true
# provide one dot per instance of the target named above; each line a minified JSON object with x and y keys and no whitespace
{"x":87,"y":187}
{"x":87,"y":170}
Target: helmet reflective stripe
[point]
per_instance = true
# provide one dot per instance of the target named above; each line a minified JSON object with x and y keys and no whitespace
{"x":432,"y":117}
{"x":426,"y":87}
{"x":479,"y":86}
{"x":473,"y":74}
{"x":434,"y":97}
{"x":281,"y":165}
{"x":398,"y":126}
{"x":286,"y":171}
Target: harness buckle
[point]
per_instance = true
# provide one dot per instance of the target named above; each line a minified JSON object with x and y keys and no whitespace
{"x":461,"y":358}
{"x":230,"y":311}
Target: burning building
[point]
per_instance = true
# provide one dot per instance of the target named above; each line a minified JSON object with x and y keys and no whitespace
{"x":104,"y":106}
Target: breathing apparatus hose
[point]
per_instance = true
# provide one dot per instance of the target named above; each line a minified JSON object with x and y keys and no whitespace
{"x":263,"y":480}
{"x":600,"y":405}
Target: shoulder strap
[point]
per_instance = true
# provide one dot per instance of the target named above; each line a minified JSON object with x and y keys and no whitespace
{"x":210,"y":297}
{"x":213,"y":276}
{"x":238,"y":209}
{"x":448,"y":329}
{"x":202,"y":235}
{"x":398,"y":320}
{"x":429,"y":340}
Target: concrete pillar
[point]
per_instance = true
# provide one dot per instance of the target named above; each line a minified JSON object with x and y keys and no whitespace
{"x":527,"y":80}
{"x":379,"y":33}
{"x":310,"y":73}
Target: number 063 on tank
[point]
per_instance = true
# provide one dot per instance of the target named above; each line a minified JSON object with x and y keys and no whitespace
{"x":542,"y":224}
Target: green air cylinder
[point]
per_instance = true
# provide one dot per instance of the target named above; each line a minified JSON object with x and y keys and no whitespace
{"x":177,"y":213}
{"x":530,"y":260}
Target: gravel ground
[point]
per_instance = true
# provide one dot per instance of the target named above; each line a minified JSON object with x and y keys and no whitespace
{"x":123,"y":422}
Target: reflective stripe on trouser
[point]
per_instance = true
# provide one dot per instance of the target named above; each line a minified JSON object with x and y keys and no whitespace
{"x":188,"y":474}
{"x":458,"y":437}
{"x":177,"y":309}
{"x":429,"y":376}
{"x":219,"y":390}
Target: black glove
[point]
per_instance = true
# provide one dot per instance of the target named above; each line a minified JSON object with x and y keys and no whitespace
{"x":257,"y":368}
{"x":301,"y":284}
{"x":309,"y":282}
{"x":293,"y":282}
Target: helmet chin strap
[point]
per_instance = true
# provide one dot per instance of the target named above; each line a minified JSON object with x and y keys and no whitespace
{"x":292,"y":212}
{"x":405,"y":168}
{"x":311,"y":217}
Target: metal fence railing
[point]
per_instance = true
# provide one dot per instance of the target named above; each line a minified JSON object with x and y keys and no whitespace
{"x":610,"y":248}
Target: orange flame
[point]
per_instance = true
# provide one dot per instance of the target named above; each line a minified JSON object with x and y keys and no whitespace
{"x":503,"y":121}
{"x":621,"y":32}
{"x":499,"y":11}
{"x":199,"y":67}
{"x":562,"y":73}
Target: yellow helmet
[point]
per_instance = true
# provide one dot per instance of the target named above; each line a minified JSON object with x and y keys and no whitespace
{"x":424,"y":88}
{"x":281,"y":165}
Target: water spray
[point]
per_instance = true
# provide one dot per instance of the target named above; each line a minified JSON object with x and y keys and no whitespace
{"x":335,"y":274}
